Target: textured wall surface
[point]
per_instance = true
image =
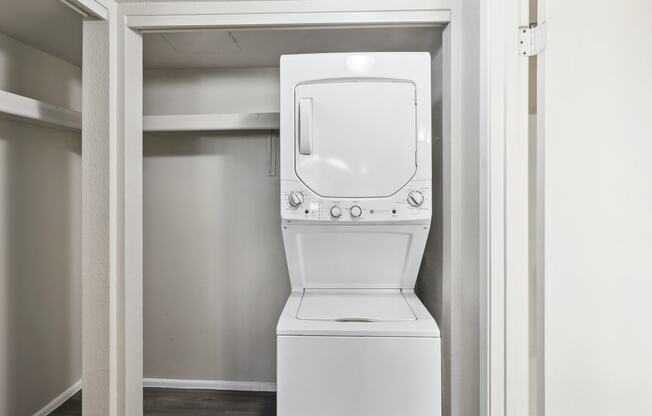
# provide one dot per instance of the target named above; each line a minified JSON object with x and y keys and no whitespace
{"x":96,"y":218}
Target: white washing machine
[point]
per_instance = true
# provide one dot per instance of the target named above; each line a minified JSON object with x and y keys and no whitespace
{"x":356,"y":202}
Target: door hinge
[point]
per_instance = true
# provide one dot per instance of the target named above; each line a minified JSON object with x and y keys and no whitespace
{"x":532,"y":39}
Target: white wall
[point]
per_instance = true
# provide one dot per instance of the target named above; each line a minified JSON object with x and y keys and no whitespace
{"x":40,"y":225}
{"x":27,"y":71}
{"x":197,"y":91}
{"x":597,"y":131}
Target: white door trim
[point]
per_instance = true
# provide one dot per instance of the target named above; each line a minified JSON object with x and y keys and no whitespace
{"x":126,"y":299}
{"x":88,"y":8}
{"x":504,"y":183}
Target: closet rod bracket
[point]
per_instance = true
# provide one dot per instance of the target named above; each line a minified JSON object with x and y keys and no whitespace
{"x":272,"y":152}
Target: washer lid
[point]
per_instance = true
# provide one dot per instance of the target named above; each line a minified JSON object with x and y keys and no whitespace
{"x":354,"y":305}
{"x":355,"y":139}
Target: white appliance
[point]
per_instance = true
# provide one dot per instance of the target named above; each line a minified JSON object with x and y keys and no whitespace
{"x":353,"y":338}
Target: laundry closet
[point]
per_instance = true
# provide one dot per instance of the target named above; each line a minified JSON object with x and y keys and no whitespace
{"x":216,"y":269}
{"x":215,"y":272}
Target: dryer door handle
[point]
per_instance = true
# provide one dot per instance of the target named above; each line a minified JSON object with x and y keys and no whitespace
{"x":305,"y":126}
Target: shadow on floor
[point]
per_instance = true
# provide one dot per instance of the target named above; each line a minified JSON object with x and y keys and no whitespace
{"x":159,"y":402}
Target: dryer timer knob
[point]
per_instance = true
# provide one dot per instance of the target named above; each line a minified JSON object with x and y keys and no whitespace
{"x":415,"y":198}
{"x":295,"y":199}
{"x":356,"y":211}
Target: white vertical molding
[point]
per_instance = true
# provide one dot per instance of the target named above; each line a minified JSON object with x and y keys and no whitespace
{"x":453,"y":214}
{"x":540,"y":227}
{"x":496,"y":201}
{"x":117,"y":346}
{"x":506,"y":292}
{"x":487,"y":208}
{"x":517,"y":310}
{"x":96,"y":263}
{"x":133,"y":243}
{"x":447,"y":70}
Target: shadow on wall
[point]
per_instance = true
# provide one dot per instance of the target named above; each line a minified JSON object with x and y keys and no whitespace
{"x":40,"y":265}
{"x":430,"y":281}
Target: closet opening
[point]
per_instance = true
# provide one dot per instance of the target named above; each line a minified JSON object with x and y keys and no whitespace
{"x":215,"y":277}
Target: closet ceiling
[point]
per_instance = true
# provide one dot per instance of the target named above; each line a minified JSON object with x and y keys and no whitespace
{"x":262,"y":48}
{"x":47,"y":25}
{"x":54,"y":28}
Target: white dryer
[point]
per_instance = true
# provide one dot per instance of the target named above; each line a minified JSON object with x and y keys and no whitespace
{"x":356,"y":201}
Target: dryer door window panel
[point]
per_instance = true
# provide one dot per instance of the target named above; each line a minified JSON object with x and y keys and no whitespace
{"x":355,"y":139}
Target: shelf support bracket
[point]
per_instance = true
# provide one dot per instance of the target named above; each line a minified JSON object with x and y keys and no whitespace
{"x":272,"y":152}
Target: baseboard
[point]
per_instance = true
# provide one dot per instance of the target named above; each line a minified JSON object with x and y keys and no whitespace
{"x":209,"y":384}
{"x":169,"y":383}
{"x":58,"y":401}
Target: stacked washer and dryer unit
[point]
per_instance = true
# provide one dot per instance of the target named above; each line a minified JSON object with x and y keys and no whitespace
{"x":356,"y":202}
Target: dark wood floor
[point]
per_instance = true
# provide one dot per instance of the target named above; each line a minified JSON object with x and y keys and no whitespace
{"x":160,"y":402}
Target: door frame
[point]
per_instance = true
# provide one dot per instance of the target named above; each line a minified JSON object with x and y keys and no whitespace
{"x":505,"y":283}
{"x":124,"y":288}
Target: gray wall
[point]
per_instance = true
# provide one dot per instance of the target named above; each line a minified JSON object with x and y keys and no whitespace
{"x":215,"y":275}
{"x":40,"y":225}
{"x":465,"y":348}
{"x":215,"y":272}
{"x":430,"y":281}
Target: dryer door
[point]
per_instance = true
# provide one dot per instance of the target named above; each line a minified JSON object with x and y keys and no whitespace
{"x":355,"y":139}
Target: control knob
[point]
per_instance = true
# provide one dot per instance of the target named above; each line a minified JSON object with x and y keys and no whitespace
{"x":356,"y":211}
{"x":415,"y":198}
{"x":336,"y":212}
{"x":295,"y":199}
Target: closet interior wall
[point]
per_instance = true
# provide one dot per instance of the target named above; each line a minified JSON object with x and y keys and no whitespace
{"x":40,"y":225}
{"x":215,"y":274}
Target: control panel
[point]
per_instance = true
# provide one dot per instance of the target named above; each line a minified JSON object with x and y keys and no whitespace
{"x":411,"y":203}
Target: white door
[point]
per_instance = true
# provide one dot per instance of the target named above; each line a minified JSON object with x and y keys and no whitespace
{"x":595,"y":117}
{"x":355,"y":139}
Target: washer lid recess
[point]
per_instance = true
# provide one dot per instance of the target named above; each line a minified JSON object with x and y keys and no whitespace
{"x":354,"y":305}
{"x":355,"y":139}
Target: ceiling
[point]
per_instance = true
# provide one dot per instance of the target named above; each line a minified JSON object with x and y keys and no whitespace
{"x":54,"y":28}
{"x":48,"y":25}
{"x":262,"y":48}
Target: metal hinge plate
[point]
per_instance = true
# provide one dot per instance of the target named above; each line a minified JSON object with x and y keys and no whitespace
{"x":532,"y":39}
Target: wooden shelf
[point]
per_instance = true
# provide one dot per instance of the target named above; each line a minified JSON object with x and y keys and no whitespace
{"x":211,"y":122}
{"x":38,"y":112}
